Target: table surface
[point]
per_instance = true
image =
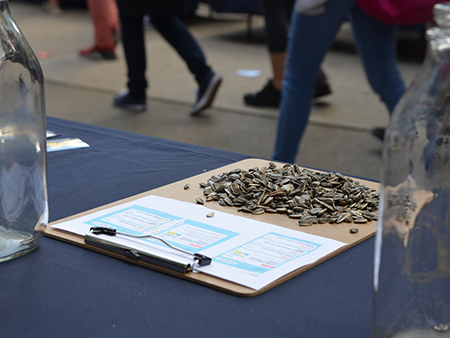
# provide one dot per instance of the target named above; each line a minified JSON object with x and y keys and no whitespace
{"x":64,"y":290}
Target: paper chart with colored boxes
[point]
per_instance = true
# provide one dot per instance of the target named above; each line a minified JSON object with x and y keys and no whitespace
{"x":248,"y":252}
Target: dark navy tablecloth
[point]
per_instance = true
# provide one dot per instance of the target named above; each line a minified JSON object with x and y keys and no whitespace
{"x":61,"y":290}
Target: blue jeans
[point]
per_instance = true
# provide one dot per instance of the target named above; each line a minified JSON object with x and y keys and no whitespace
{"x":309,"y":40}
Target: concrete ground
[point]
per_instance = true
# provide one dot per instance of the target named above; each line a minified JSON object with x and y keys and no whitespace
{"x":336,"y":139}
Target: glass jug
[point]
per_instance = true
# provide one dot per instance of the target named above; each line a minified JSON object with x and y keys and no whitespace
{"x":23,"y":181}
{"x":412,"y":247}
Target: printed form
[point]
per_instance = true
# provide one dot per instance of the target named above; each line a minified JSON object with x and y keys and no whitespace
{"x":243,"y":251}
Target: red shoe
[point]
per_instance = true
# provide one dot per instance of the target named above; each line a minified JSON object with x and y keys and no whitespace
{"x":98,"y":53}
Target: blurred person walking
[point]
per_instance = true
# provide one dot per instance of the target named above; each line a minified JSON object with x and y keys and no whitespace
{"x":313,"y":30}
{"x":105,"y":18}
{"x":163,"y":16}
{"x":277,"y":14}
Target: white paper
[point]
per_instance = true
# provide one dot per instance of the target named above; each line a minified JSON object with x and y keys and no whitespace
{"x":248,"y":72}
{"x":50,"y":134}
{"x":244,"y":251}
{"x":65,"y":144}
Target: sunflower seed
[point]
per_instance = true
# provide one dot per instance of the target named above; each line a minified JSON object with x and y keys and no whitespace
{"x":294,"y":191}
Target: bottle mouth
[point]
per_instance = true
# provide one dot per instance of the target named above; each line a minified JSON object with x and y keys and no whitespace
{"x":441,"y":14}
{"x":439,"y":35}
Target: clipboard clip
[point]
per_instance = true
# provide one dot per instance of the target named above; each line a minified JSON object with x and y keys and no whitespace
{"x":159,"y":259}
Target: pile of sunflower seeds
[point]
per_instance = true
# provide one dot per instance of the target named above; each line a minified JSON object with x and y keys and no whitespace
{"x":309,"y":196}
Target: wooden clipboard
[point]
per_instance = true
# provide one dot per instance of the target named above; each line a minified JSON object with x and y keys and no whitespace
{"x":340,"y":232}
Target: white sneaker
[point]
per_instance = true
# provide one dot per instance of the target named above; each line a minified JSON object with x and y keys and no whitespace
{"x":206,"y":94}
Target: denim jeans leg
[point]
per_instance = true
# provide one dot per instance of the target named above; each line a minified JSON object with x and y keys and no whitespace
{"x":178,"y":36}
{"x":309,"y":40}
{"x":376,"y":44}
{"x":134,"y":49}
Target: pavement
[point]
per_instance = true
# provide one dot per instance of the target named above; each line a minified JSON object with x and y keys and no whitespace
{"x":337,"y":137}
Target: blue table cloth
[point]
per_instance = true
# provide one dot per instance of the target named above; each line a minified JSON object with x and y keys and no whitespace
{"x":61,"y":290}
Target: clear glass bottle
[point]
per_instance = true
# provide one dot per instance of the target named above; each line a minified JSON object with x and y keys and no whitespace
{"x":23,"y":181}
{"x":412,"y":250}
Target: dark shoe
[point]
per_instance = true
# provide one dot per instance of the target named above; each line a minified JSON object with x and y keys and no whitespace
{"x":206,"y":93}
{"x":378,"y":135}
{"x":321,"y":88}
{"x":126,"y":101}
{"x":269,"y":96}
{"x":97,"y":53}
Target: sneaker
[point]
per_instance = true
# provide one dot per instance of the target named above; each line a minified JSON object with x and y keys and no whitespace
{"x":269,"y":96}
{"x":321,"y":88}
{"x":206,"y":93}
{"x":378,"y":135}
{"x":97,"y":53}
{"x":124,"y":100}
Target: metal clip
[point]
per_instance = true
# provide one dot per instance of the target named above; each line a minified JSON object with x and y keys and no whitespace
{"x":92,"y":238}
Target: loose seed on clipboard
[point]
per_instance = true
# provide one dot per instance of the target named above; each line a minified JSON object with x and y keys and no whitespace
{"x":186,"y":186}
{"x":199,"y":200}
{"x":258,"y":211}
{"x":304,"y":223}
{"x":354,"y":230}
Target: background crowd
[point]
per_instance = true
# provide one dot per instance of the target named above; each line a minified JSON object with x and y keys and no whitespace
{"x":297,"y":38}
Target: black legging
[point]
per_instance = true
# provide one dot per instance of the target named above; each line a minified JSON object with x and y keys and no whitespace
{"x":277,"y":15}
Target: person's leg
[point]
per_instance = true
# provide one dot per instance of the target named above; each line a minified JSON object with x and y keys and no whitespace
{"x":376,"y":44}
{"x":104,"y":17}
{"x":276,"y":20}
{"x":101,"y":12}
{"x":175,"y":32}
{"x":309,"y":40}
{"x":114,"y":19}
{"x":277,"y":64}
{"x":134,"y":50}
{"x":178,"y":36}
